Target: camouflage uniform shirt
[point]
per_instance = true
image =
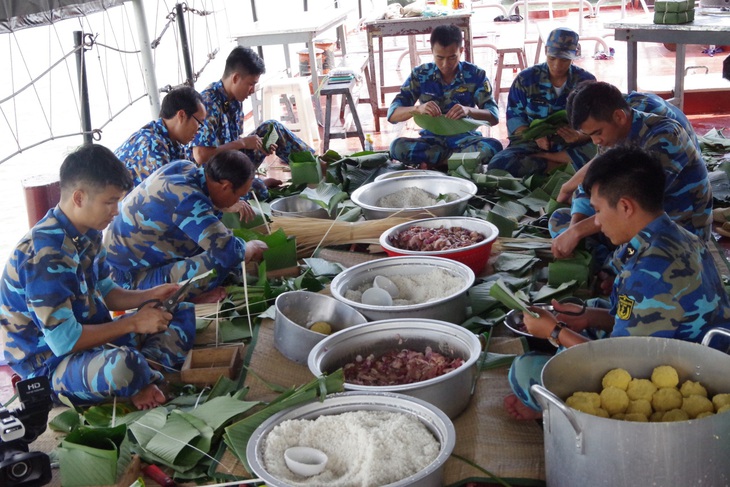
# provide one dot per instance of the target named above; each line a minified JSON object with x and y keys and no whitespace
{"x":149,"y":149}
{"x":533,"y":97}
{"x":667,"y":285}
{"x":54,"y":281}
{"x":470,"y":88}
{"x":168,"y":218}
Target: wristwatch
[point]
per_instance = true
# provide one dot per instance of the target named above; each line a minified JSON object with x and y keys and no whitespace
{"x":555,"y":334}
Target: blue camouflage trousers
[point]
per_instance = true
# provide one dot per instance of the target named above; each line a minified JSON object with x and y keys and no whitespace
{"x":99,"y":374}
{"x":287,"y":143}
{"x":178,"y":271}
{"x":520,"y":159}
{"x":436,"y":149}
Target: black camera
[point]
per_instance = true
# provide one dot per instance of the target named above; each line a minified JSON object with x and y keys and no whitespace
{"x":20,"y":467}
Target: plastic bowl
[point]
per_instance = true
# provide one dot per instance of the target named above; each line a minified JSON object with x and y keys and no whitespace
{"x":449,"y":308}
{"x":435,"y":420}
{"x":450,"y":392}
{"x":297,"y":206}
{"x":296,"y":310}
{"x":474,"y":256}
{"x":368,"y":195}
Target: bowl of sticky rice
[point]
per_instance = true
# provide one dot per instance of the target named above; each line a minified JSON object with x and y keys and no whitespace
{"x":421,"y":287}
{"x":417,"y":196}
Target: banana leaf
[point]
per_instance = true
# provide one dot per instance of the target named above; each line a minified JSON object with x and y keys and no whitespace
{"x":304,"y":168}
{"x":271,"y":137}
{"x":505,"y":226}
{"x":514,"y":262}
{"x":501,"y":292}
{"x":66,"y":421}
{"x":101,"y":415}
{"x":326,"y":195}
{"x":536,"y":201}
{"x":237,"y":435}
{"x":322,"y":267}
{"x":547,"y":293}
{"x":481,"y":300}
{"x":107,"y":449}
{"x":555,"y":182}
{"x":553,"y":205}
{"x":576,"y":268}
{"x":233,"y":220}
{"x":181,"y":442}
{"x":234,"y":330}
{"x":353,"y":171}
{"x":445,"y":126}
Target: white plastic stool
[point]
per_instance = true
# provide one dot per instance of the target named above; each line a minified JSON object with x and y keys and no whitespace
{"x":306,"y":126}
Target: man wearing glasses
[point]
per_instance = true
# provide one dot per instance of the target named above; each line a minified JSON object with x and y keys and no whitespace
{"x":164,"y":140}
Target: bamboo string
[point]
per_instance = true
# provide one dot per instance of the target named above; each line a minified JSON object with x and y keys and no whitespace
{"x":328,"y":231}
{"x":266,"y":222}
{"x":245,"y":296}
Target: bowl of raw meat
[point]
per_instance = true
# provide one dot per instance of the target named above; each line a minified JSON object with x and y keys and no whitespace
{"x":463,"y":239}
{"x":414,"y":196}
{"x":431,"y":360}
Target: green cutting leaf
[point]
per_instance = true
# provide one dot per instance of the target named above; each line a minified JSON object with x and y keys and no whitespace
{"x":326,"y":195}
{"x":547,"y":293}
{"x":446,"y":126}
{"x":66,"y":421}
{"x":322,"y":267}
{"x":514,"y":262}
{"x":503,"y":294}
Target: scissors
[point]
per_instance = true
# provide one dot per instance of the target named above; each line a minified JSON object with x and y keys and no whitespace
{"x":170,"y":303}
{"x":577,"y":302}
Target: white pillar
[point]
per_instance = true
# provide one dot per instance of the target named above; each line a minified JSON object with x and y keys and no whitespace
{"x":148,"y":67}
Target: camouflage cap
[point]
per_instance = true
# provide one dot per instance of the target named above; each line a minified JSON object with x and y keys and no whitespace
{"x":563,"y":43}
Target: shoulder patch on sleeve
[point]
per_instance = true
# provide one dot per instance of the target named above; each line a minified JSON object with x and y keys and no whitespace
{"x":625,"y":307}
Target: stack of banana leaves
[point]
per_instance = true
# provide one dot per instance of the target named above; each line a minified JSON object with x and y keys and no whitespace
{"x":544,"y":127}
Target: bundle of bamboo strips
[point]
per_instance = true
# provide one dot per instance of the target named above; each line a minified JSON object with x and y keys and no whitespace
{"x":315,"y":232}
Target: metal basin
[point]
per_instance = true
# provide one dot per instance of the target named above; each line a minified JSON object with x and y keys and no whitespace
{"x":297,"y":206}
{"x":450,"y":392}
{"x":367,"y":196}
{"x":407,"y":172}
{"x":436,"y":421}
{"x":475,"y":256}
{"x":296,"y":310}
{"x":581,"y":449}
{"x":450,"y":308}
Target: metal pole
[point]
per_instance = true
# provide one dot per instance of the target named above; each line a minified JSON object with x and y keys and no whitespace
{"x":83,"y":87}
{"x":148,"y":66}
{"x":256,"y":19}
{"x":185,"y":46}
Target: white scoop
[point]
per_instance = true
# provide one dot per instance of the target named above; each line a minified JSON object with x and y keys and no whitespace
{"x":382,"y":282}
{"x":305,"y":461}
{"x":376,"y":297}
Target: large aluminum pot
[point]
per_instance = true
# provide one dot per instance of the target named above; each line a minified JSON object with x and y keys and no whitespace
{"x":367,"y":196}
{"x":296,"y":311}
{"x":581,"y":449}
{"x":450,"y":392}
{"x":437,"y":423}
{"x":450,"y":308}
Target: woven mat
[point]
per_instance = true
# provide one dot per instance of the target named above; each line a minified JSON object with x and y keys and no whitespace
{"x":484,"y":432}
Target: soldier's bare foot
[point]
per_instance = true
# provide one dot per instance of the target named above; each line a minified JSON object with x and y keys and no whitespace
{"x":212,"y":296}
{"x":149,"y":397}
{"x":519,"y":411}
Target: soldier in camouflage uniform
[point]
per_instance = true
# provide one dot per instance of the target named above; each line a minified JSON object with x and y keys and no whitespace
{"x":537,"y":93}
{"x":163,"y":140}
{"x":667,"y":283}
{"x":56,"y":294}
{"x":601,"y":111}
{"x":562,"y":218}
{"x":169,"y":227}
{"x":449,"y":87}
{"x":222,"y":129}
